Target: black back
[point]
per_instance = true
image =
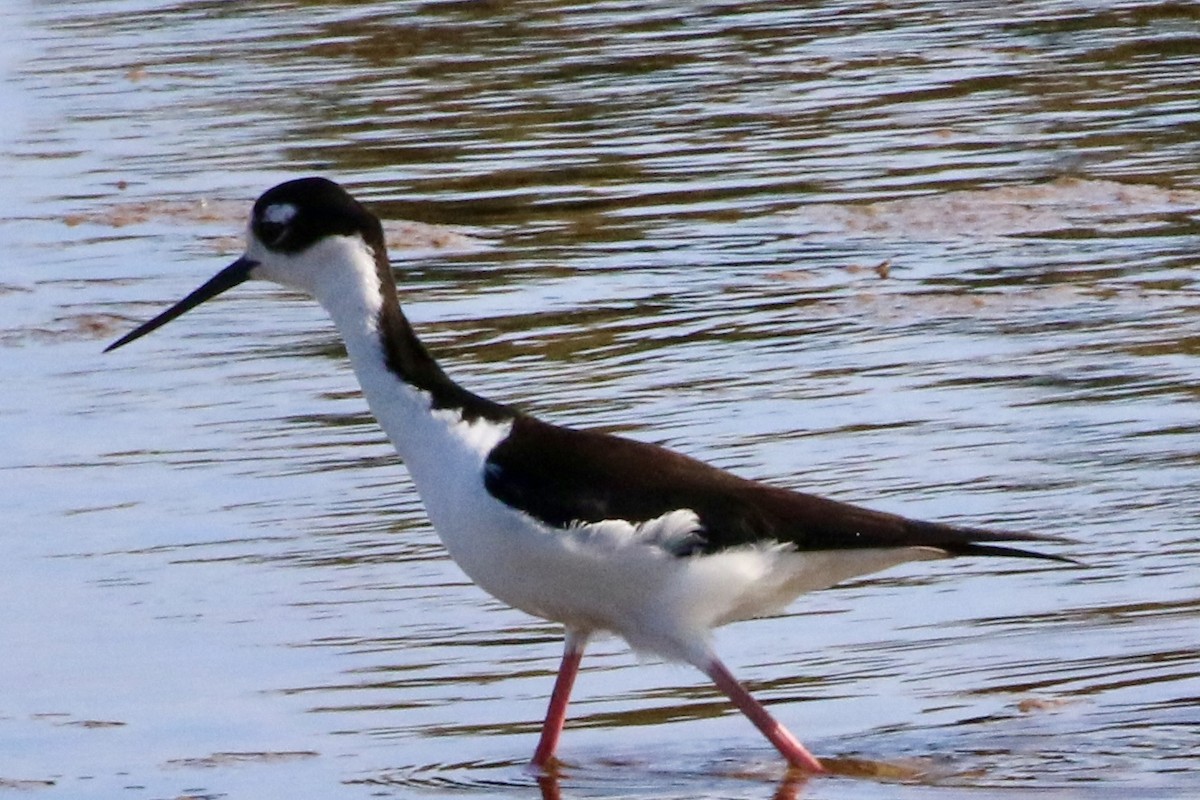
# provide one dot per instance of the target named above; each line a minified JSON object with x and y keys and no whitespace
{"x":563,"y":476}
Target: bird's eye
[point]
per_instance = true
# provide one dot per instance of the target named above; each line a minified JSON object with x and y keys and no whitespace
{"x":271,"y":227}
{"x":271,"y":233}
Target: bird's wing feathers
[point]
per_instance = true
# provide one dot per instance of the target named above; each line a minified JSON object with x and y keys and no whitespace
{"x":564,"y":476}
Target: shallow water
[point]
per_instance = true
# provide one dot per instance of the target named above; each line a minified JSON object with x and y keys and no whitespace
{"x":937,"y":257}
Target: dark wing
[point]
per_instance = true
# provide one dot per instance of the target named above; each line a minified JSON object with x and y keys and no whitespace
{"x":563,"y":476}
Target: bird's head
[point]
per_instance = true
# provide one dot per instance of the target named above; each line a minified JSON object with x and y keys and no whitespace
{"x":306,"y":234}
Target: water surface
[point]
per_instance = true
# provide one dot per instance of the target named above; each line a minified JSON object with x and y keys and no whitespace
{"x":936,"y":257}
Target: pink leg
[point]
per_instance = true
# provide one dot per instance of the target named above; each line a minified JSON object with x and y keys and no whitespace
{"x":556,"y":714}
{"x":781,"y":737}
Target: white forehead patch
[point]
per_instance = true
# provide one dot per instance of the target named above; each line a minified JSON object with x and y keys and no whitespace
{"x":279,"y":213}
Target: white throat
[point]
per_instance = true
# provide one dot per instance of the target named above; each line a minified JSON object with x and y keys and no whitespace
{"x":340,"y":272}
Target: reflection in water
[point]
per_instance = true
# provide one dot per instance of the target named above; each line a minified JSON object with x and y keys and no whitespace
{"x":790,"y":787}
{"x":684,"y":213}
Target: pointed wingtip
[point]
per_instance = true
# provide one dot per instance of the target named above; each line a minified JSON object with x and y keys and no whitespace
{"x":984,"y":548}
{"x":964,"y":541}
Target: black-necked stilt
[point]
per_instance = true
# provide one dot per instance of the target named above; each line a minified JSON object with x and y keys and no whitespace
{"x":599,"y":533}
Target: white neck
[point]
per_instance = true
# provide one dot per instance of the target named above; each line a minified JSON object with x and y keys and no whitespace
{"x":354,"y":297}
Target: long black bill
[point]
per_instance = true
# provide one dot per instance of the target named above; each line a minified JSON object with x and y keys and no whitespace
{"x":231,"y":276}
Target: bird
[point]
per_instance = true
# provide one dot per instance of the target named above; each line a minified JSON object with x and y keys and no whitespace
{"x":598,"y":533}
